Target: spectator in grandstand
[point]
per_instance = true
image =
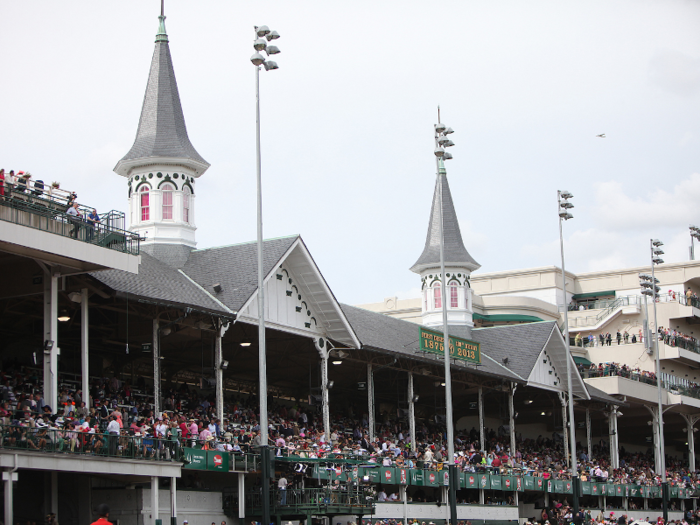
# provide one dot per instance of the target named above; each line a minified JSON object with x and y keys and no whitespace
{"x":75,"y":217}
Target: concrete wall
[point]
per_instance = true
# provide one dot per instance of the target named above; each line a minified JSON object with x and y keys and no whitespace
{"x":422,"y":511}
{"x":133,"y":506}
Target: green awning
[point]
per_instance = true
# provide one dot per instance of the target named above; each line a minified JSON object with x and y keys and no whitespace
{"x":507,"y":318}
{"x":593,"y":295}
{"x":582,"y":361}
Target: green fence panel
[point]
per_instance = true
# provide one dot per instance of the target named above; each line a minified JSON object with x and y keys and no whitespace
{"x":471,"y":480}
{"x":585,"y":487}
{"x":549,"y":485}
{"x":431,"y":479}
{"x":496,"y":482}
{"x":609,"y":489}
{"x":416,"y":477}
{"x":374,"y":475}
{"x":674,"y":492}
{"x":484,"y":481}
{"x":508,"y":483}
{"x":529,"y":483}
{"x":218,"y":461}
{"x":620,"y":490}
{"x":559,"y":487}
{"x":595,"y":489}
{"x":519,"y":486}
{"x":197,"y":458}
{"x":337,"y":474}
{"x":388,"y":475}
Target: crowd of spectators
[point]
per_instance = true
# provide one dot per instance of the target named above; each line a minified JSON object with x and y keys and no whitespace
{"x":115,"y":412}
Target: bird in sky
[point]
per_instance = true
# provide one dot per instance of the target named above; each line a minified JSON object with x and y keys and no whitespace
{"x":601,"y":136}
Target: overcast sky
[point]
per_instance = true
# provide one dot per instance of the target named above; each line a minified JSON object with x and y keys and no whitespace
{"x":347,"y":122}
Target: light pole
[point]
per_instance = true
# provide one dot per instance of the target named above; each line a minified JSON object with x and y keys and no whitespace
{"x":442,"y":142}
{"x":262,"y":36}
{"x":694,"y":234}
{"x":656,"y":251}
{"x":563,"y":207}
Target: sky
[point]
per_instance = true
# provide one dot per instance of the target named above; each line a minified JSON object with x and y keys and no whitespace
{"x":347,"y":122}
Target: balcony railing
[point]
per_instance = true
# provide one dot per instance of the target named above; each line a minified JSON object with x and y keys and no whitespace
{"x":609,"y":370}
{"x":123,"y":446}
{"x":47,"y":212}
{"x":608,"y":306}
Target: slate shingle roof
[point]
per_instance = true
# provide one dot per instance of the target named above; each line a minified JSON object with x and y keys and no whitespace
{"x":382,"y":332}
{"x":159,"y":282}
{"x":455,"y":252}
{"x":235,"y":268}
{"x":162,"y":131}
{"x":521,"y":343}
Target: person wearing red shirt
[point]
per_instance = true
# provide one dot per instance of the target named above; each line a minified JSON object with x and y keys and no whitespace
{"x":103,"y":511}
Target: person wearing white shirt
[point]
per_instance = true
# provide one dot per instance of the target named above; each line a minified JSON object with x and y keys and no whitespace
{"x":381,"y":496}
{"x":113,"y":431}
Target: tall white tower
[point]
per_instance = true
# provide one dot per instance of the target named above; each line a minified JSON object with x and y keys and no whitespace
{"x":162,"y":165}
{"x":458,"y":264}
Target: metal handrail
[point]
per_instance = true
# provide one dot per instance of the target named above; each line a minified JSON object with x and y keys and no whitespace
{"x":50,"y":215}
{"x":121,"y":446}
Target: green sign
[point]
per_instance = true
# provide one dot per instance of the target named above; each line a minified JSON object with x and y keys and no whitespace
{"x":471,"y":480}
{"x":585,"y":487}
{"x":416,"y":477}
{"x":529,"y":483}
{"x":509,"y":483}
{"x":196,"y":459}
{"x":461,"y":349}
{"x":217,"y":460}
{"x":496,"y":482}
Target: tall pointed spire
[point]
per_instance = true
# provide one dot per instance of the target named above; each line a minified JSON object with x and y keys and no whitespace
{"x":455,"y":253}
{"x":162,"y":134}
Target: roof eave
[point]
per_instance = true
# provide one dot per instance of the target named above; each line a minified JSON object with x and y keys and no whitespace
{"x":419,"y":267}
{"x":125,"y":166}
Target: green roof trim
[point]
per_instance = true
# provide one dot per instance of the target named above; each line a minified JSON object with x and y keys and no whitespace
{"x":507,"y":318}
{"x":581,"y":361}
{"x":593,"y":295}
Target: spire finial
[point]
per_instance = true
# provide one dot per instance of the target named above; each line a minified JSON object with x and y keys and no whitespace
{"x":162,"y":36}
{"x":441,"y":167}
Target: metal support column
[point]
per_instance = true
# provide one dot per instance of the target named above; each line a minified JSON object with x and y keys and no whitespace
{"x":690,"y":421}
{"x":154,"y":499}
{"x":588,"y":435}
{"x":241,"y":497}
{"x":370,"y":402}
{"x":9,"y":477}
{"x":51,"y":350}
{"x":562,"y":400}
{"x":156,"y":369}
{"x":326,"y":408}
{"x":85,"y":345}
{"x":403,"y":494}
{"x":173,"y":501}
{"x":411,"y":412}
{"x":655,"y":431}
{"x":511,"y":422}
{"x":614,"y":444}
{"x":482,"y":437}
{"x":219,"y":374}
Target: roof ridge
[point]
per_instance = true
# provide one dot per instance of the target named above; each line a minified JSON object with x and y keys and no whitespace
{"x":293,"y":236}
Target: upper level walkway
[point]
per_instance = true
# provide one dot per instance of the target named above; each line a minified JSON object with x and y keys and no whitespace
{"x":35,"y":223}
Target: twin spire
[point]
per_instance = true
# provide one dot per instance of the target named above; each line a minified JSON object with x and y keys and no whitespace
{"x":456,"y":255}
{"x":162,"y":133}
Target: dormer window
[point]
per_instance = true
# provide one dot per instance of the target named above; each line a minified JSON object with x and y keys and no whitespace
{"x":167,"y":201}
{"x":437,"y":294}
{"x":145,"y":200}
{"x":186,"y":204}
